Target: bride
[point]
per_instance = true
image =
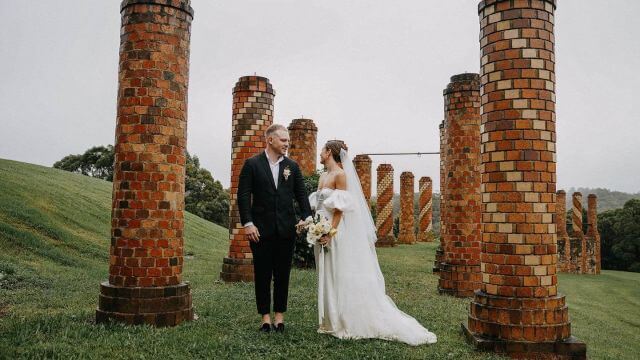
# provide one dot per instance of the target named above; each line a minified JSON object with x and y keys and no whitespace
{"x":352,"y":303}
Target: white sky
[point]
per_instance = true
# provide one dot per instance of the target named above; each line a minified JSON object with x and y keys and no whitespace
{"x":368,"y":72}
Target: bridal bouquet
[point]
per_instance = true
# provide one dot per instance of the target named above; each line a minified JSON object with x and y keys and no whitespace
{"x":317,"y":228}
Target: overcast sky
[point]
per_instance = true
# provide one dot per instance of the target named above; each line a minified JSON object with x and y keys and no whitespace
{"x":368,"y":72}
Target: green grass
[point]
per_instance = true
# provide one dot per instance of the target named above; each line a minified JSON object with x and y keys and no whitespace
{"x":54,"y":230}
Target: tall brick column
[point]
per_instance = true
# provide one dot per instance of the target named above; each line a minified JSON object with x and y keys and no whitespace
{"x":460,"y":267}
{"x":384,"y":206}
{"x":518,"y":309}
{"x":362,"y":163}
{"x":147,"y":219}
{"x":439,"y":256}
{"x":407,"y":233}
{"x":425,"y":218}
{"x":593,"y":236}
{"x":303,"y":145}
{"x":578,"y":241}
{"x":252,"y":115}
{"x":564,"y":247}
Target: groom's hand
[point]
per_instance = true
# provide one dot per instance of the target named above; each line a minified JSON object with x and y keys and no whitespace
{"x":300,"y":227}
{"x":252,"y":233}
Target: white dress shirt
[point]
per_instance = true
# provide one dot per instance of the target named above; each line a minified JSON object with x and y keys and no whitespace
{"x":275,"y":171}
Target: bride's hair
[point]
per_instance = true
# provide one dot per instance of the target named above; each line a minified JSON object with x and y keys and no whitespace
{"x":335,"y":146}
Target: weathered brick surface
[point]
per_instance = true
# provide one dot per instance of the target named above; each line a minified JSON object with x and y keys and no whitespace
{"x":593,"y":236}
{"x":303,"y":145}
{"x":439,"y":257}
{"x":583,"y":249}
{"x":564,"y":247}
{"x":460,"y":267}
{"x":362,"y":163}
{"x":384,"y":206}
{"x":407,"y":234}
{"x":518,"y":309}
{"x":251,"y":116}
{"x":425,"y":218}
{"x":578,"y":242}
{"x":147,"y":219}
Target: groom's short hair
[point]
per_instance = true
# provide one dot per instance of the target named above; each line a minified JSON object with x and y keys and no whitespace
{"x":273,"y":128}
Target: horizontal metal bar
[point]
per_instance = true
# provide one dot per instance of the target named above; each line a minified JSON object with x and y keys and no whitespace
{"x":405,"y":153}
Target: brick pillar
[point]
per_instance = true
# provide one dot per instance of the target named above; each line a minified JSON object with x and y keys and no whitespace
{"x":578,"y":240}
{"x":460,"y":267}
{"x":362,"y":163}
{"x":593,"y":236}
{"x":384,"y":206}
{"x":425,"y":219}
{"x":145,"y":271}
{"x":518,"y":309}
{"x":407,"y":234}
{"x":252,"y":115}
{"x":303,"y":145}
{"x":564,"y":248}
{"x":439,"y":257}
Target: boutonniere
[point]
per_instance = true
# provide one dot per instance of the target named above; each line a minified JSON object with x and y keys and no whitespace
{"x":286,"y":173}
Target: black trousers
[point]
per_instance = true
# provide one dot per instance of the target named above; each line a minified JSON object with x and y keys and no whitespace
{"x":272,"y":262}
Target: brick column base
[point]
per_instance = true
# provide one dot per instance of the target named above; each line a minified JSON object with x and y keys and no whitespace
{"x":386,"y":241}
{"x":543,"y":330}
{"x":234,"y":270}
{"x":459,"y":280}
{"x":157,"y":306}
{"x":438,"y":260}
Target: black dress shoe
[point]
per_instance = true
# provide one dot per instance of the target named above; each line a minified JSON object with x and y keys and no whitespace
{"x":279,"y":327}
{"x":266,"y":327}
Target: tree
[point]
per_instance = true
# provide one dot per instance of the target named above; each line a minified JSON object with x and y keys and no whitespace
{"x":204,"y":196}
{"x":96,"y":162}
{"x":303,"y":256}
{"x":620,"y":235}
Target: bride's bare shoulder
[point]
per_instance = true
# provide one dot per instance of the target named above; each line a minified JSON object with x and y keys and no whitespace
{"x":341,"y":179}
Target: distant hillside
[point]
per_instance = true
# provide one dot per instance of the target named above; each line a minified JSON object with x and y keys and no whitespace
{"x":607,"y":199}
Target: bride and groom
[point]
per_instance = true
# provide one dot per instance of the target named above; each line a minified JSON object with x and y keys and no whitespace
{"x":352,"y":302}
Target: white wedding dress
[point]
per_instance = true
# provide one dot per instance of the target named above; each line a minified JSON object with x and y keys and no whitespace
{"x":352,"y":302}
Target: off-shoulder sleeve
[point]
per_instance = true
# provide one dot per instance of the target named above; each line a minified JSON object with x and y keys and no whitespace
{"x":340,"y":200}
{"x":313,"y":200}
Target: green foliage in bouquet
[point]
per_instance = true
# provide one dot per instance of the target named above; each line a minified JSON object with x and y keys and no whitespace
{"x":303,"y":255}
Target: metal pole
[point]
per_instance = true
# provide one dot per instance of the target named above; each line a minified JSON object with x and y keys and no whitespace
{"x":404,"y":153}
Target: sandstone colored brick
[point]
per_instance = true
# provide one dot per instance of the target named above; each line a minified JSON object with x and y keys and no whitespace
{"x":362,"y":163}
{"x":461,"y":237}
{"x":147,"y":220}
{"x":592,"y":253}
{"x":252,"y":114}
{"x":518,"y":309}
{"x":439,"y":256}
{"x":384,"y":206}
{"x":425,"y":218}
{"x":303,"y":145}
{"x":407,"y":233}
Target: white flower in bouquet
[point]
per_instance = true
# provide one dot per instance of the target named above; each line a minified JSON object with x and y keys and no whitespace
{"x":317,"y":228}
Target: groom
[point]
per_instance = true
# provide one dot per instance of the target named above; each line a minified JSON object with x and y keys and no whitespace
{"x":269,"y":183}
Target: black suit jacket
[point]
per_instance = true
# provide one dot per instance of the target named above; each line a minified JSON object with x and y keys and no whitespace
{"x":270,"y":209}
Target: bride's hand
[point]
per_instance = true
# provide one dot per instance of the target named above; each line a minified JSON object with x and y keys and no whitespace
{"x":325,"y":240}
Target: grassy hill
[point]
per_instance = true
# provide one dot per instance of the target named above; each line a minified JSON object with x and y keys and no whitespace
{"x":54,"y":230}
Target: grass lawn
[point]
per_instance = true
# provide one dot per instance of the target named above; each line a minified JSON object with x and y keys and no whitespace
{"x":54,"y":229}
